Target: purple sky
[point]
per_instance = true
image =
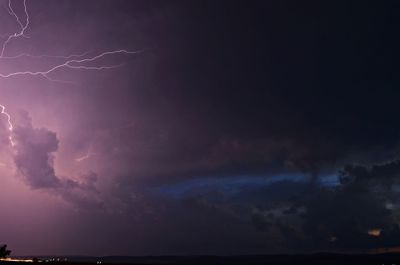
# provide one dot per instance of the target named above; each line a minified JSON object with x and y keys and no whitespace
{"x":53,"y":201}
{"x":183,"y":127}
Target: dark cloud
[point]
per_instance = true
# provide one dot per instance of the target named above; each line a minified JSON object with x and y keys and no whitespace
{"x":223,"y":91}
{"x":339,"y":217}
{"x":34,"y":156}
{"x":366,"y":199}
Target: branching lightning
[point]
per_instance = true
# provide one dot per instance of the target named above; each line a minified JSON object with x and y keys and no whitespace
{"x":72,"y":64}
{"x":73,"y":61}
{"x":23,"y":27}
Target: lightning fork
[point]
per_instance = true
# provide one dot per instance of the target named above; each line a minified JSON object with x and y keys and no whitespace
{"x":23,"y":27}
{"x":73,"y":61}
{"x":73,"y":64}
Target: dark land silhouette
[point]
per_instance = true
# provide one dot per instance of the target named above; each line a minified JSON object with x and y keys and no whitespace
{"x":307,"y":259}
{"x":4,"y":252}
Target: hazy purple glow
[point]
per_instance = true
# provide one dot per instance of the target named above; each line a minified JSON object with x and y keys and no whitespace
{"x":195,"y":127}
{"x":45,"y":128}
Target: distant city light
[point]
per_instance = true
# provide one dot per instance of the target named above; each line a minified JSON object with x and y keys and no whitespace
{"x":16,"y":260}
{"x":376,"y":232}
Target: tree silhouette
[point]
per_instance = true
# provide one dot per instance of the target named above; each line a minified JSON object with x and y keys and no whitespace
{"x":4,"y":252}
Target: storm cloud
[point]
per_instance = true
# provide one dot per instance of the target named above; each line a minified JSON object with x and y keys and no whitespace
{"x":34,"y":159}
{"x":240,"y":128}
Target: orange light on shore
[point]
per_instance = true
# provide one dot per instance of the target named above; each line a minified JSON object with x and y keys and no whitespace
{"x":16,"y":260}
{"x":385,"y":250}
{"x":376,"y":232}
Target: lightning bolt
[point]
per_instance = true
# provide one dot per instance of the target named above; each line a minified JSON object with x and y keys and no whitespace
{"x":21,"y":33}
{"x":23,"y":27}
{"x":73,"y":62}
{"x":10,"y":125}
{"x":88,"y":154}
{"x":70,"y":62}
{"x":44,"y":56}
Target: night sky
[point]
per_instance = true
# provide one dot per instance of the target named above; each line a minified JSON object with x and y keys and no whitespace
{"x":199,"y":127}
